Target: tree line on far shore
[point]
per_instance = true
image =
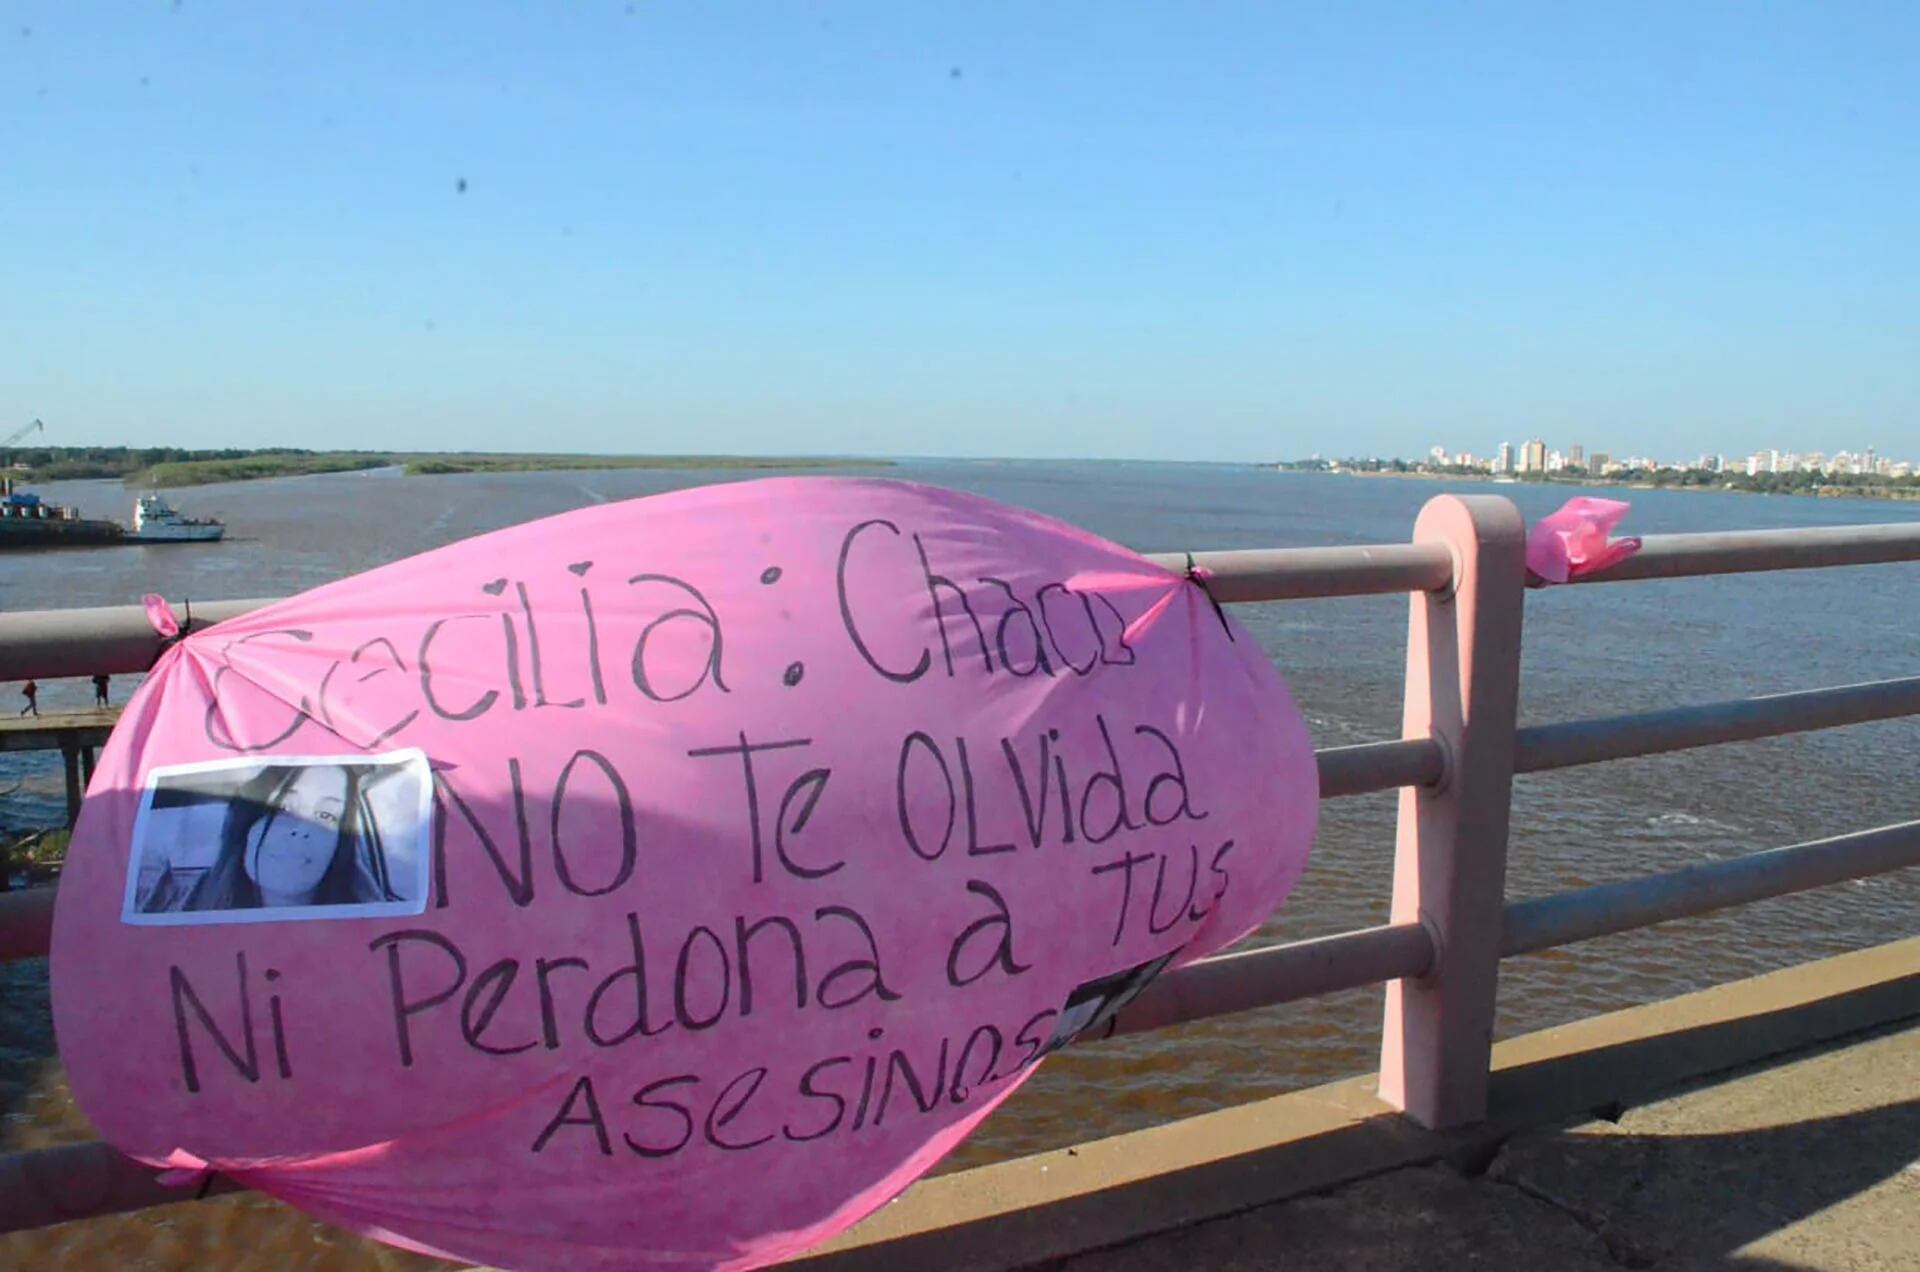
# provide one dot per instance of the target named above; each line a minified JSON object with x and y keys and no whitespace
{"x":182,"y":466}
{"x":78,"y":463}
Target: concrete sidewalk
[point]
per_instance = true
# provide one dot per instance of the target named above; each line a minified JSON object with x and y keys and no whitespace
{"x":1775,"y":1123}
{"x":1811,"y":1161}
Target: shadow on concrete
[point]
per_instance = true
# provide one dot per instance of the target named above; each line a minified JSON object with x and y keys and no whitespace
{"x":1653,"y":1197}
{"x":1705,"y":1196}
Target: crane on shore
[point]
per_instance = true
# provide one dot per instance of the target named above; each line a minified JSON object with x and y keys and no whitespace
{"x":6,"y":458}
{"x":19,"y":433}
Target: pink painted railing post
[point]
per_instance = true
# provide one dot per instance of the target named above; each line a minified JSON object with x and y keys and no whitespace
{"x":1450,"y":862}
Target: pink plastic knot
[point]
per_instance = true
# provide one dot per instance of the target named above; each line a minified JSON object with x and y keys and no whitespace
{"x":1573,"y":541}
{"x":160,"y":614}
{"x":183,"y":1169}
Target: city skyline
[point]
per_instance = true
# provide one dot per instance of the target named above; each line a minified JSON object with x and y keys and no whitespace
{"x":1535,"y":455}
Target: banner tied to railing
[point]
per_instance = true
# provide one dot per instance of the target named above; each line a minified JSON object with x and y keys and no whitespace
{"x":667,"y":883}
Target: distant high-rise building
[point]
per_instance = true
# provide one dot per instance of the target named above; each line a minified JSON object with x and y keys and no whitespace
{"x":1601,"y":461}
{"x":1533,"y":456}
{"x":1504,"y":464}
{"x":1576,"y":456}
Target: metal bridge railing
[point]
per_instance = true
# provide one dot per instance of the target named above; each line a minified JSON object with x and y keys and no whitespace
{"x":1451,"y":923}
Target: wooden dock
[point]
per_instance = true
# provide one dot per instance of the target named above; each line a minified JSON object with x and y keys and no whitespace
{"x":77,"y":735}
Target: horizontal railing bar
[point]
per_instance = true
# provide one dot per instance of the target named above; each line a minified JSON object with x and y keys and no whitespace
{"x":118,"y":639}
{"x":1711,"y":885}
{"x":49,"y":1186}
{"x":44,"y":1186}
{"x":1379,"y":766}
{"x":83,"y":1181}
{"x":1282,"y":574}
{"x":1672,"y":556}
{"x":26,"y":916}
{"x":1278,"y":974}
{"x":113,"y":639}
{"x":1541,"y":747}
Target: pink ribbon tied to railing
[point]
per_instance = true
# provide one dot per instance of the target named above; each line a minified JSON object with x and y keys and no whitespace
{"x":1574,"y":542}
{"x":160,"y":615}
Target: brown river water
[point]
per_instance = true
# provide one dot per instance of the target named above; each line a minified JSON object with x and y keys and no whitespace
{"x":1589,"y":651}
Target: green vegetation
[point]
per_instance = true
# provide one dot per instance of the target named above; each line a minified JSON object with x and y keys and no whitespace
{"x":175,"y":466}
{"x":179,"y":466}
{"x":202,"y":472}
{"x":38,"y":855}
{"x":48,"y":847}
{"x":427,"y":465}
{"x":1855,"y":485}
{"x":74,"y":463}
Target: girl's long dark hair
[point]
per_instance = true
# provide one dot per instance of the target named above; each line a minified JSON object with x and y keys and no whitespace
{"x":227,"y":886}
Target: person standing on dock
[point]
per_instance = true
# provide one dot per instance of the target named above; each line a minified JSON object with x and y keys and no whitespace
{"x":100,"y":698}
{"x":31,"y":692}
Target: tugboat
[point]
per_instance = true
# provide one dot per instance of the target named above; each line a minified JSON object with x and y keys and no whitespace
{"x":155,"y":521}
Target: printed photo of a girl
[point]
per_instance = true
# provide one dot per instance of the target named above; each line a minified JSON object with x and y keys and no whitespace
{"x":272,"y":839}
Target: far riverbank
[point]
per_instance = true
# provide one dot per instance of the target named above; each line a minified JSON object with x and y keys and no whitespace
{"x":1895,"y":493}
{"x":162,"y":467}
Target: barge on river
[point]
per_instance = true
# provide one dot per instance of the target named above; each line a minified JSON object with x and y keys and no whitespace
{"x":28,"y":521}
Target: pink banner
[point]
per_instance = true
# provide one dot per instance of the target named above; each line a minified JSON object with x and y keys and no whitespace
{"x":667,"y":883}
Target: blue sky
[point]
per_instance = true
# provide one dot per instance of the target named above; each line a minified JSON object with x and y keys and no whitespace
{"x":1163,"y":231}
